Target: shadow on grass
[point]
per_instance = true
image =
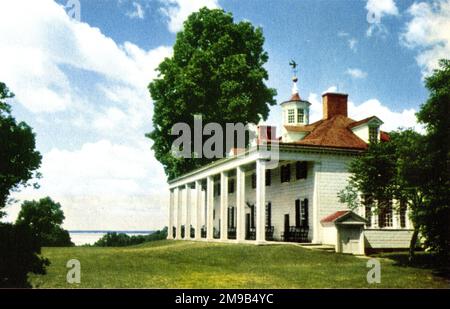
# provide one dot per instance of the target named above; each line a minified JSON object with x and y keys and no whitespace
{"x":439,"y":267}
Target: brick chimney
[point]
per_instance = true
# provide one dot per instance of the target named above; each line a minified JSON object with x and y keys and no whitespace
{"x":334,"y":104}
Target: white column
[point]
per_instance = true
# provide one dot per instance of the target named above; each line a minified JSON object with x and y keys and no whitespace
{"x":209,"y":207}
{"x":223,"y":206}
{"x":260,"y":201}
{"x":240,"y":204}
{"x":187,"y":225}
{"x":178,"y":207}
{"x":198,"y":205}
{"x":170,"y":225}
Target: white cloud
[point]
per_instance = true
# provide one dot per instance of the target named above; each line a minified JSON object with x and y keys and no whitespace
{"x":376,"y":10}
{"x":138,"y":11}
{"x":356,"y":73}
{"x":177,"y":11}
{"x":45,"y":39}
{"x":392,"y":119}
{"x":428,"y":31}
{"x":331,"y":89}
{"x":102,"y":184}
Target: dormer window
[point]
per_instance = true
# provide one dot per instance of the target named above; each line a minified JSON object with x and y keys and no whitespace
{"x":300,"y":115}
{"x":291,"y":116}
{"x":373,"y":134}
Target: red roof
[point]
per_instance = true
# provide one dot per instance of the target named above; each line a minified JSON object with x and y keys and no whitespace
{"x":365,"y":120}
{"x":333,"y":132}
{"x":334,"y":216}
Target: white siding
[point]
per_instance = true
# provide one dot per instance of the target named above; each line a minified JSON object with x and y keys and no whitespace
{"x":387,"y":238}
{"x":329,"y":235}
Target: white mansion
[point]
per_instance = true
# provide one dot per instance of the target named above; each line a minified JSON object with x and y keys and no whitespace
{"x":243,"y":198}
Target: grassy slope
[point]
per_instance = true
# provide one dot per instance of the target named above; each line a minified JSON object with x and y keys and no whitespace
{"x":183,"y":264}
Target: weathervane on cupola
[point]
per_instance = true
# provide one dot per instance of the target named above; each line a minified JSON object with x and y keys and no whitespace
{"x":295,"y":111}
{"x":295,"y":94}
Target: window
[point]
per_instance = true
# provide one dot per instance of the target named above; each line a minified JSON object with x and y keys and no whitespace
{"x":300,"y":115}
{"x":304,"y":213}
{"x":252,"y":216}
{"x":269,"y":214}
{"x":297,"y":213}
{"x":217,"y":189}
{"x":268,"y":177}
{"x":253,"y":181}
{"x":291,"y":116}
{"x":403,"y":213}
{"x":385,"y":213}
{"x":301,"y":168}
{"x":373,"y":134}
{"x":285,"y":173}
{"x":231,"y":186}
{"x":231,"y":217}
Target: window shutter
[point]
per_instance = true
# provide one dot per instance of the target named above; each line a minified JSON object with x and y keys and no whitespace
{"x":268,"y":177}
{"x":297,"y":213}
{"x":305,"y":213}
{"x":253,"y":181}
{"x":232,"y":216}
{"x":286,"y":173}
{"x":301,"y":169}
{"x":231,"y":186}
{"x":252,"y":216}
{"x":269,"y":214}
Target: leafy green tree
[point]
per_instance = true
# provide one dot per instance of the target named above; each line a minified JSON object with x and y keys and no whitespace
{"x":216,"y":71}
{"x":19,"y":247}
{"x":414,"y":168}
{"x":114,"y":239}
{"x":389,"y":170}
{"x":435,"y":115}
{"x":19,"y":158}
{"x":44,"y":217}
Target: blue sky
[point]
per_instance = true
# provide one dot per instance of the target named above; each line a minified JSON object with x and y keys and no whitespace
{"x":82,"y":84}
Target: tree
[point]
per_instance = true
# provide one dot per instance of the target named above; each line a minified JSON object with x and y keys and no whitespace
{"x":19,"y":254}
{"x":414,"y":168}
{"x":114,"y":239}
{"x":19,"y":247}
{"x":435,"y":115}
{"x":19,"y":158}
{"x":44,"y":218}
{"x":216,"y":71}
{"x":390,"y":170}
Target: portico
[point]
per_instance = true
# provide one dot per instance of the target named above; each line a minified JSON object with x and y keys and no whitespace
{"x":199,"y":189}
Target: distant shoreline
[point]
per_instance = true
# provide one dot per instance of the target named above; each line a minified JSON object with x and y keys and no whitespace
{"x":109,"y":231}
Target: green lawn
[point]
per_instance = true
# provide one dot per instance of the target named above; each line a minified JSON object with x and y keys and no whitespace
{"x":183,"y":264}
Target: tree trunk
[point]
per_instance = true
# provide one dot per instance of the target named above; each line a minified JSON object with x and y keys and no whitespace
{"x":412,"y":244}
